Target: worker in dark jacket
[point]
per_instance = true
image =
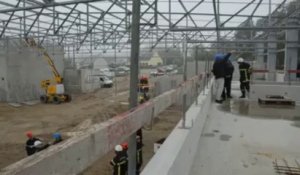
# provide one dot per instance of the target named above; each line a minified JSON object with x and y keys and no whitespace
{"x":229,"y":69}
{"x":31,"y":143}
{"x":219,"y":73}
{"x":34,"y":144}
{"x":57,"y":138}
{"x":139,"y":154}
{"x":119,"y":162}
{"x":245,"y":72}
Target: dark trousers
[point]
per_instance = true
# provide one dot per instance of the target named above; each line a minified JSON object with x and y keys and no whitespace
{"x":245,"y":86}
{"x":227,"y":87}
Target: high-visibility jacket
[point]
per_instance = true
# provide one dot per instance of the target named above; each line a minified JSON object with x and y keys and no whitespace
{"x":119,"y":163}
{"x":245,"y":72}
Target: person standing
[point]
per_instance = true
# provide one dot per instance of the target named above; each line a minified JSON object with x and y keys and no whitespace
{"x":139,"y":154}
{"x":245,"y":72}
{"x":119,"y":162}
{"x":219,"y":73}
{"x":229,"y":69}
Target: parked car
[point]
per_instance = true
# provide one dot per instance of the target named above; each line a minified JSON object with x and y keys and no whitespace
{"x":105,"y":82}
{"x":107,"y":73}
{"x":157,"y":73}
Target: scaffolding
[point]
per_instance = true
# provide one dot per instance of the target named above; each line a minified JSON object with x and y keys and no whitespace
{"x":110,"y":26}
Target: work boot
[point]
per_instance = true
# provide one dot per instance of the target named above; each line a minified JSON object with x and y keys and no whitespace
{"x":219,"y":101}
{"x":243,"y":94}
{"x":229,"y":96}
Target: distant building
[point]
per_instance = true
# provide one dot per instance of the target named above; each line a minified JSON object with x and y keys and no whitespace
{"x":100,"y":63}
{"x":153,"y":61}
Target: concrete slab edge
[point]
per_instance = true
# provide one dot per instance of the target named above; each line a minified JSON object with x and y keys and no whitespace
{"x":175,"y":156}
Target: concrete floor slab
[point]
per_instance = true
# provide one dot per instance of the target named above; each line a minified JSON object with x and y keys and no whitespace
{"x":248,"y":143}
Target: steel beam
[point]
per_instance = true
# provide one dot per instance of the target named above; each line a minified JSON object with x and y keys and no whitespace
{"x":129,"y":26}
{"x":66,"y":18}
{"x":217,"y":20}
{"x":241,"y":41}
{"x":233,"y":28}
{"x":10,"y":17}
{"x":33,"y":23}
{"x":187,"y":13}
{"x":54,"y":4}
{"x":242,"y":9}
{"x":96,"y":23}
{"x":63,"y":37}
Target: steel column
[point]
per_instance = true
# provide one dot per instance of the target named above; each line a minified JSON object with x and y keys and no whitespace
{"x":134,"y":71}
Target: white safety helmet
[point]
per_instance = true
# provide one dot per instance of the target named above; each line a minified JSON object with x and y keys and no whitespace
{"x":118,"y":148}
{"x":37,"y":143}
{"x":240,"y":60}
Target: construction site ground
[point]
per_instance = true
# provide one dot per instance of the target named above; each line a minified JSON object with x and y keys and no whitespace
{"x":71,"y":118}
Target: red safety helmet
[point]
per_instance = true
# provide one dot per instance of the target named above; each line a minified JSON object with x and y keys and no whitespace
{"x":143,"y":77}
{"x":29,"y":134}
{"x":124,"y":146}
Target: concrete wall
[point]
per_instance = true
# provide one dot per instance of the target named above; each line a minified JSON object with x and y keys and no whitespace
{"x":261,"y":90}
{"x":88,"y":83}
{"x":72,"y":80}
{"x":3,"y":74}
{"x":25,"y":69}
{"x":81,"y":80}
{"x":166,"y":83}
{"x":176,"y":154}
{"x":77,"y":153}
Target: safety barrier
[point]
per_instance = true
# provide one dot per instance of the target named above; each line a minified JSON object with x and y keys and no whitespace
{"x":77,"y":153}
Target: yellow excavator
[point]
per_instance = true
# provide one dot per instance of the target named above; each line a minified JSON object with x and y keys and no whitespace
{"x":54,"y":89}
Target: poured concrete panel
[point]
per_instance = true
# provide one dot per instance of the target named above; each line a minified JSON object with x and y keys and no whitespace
{"x":3,"y":75}
{"x":261,"y":90}
{"x":72,"y":80}
{"x":272,"y":57}
{"x":259,"y":63}
{"x":291,"y":51}
{"x":25,"y":69}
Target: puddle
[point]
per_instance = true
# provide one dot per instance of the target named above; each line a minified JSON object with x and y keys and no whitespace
{"x":225,"y":137}
{"x":253,"y":110}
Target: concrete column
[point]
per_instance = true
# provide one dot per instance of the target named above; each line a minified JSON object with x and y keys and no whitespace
{"x":259,"y":61}
{"x":271,"y":61}
{"x":291,"y":51}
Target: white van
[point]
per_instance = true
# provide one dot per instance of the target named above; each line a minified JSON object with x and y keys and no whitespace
{"x":105,"y":82}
